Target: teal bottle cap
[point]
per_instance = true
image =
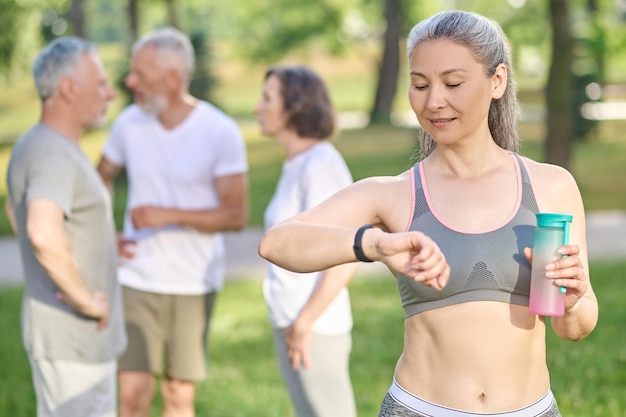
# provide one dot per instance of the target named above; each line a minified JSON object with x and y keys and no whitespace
{"x":553,"y":219}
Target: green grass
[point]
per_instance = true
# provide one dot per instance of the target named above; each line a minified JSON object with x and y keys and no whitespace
{"x":17,"y":397}
{"x":588,"y":377}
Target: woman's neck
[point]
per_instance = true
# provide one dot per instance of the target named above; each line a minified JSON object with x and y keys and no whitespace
{"x":467,"y":162}
{"x":295,"y":145}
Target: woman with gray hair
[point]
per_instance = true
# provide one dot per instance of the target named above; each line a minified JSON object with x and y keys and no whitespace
{"x":456,"y":230}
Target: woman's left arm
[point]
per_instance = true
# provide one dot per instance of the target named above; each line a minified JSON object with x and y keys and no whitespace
{"x":559,"y":193}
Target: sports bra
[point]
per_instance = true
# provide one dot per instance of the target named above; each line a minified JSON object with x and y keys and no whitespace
{"x":488,"y":266}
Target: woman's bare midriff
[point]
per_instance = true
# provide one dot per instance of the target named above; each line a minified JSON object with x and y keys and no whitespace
{"x":481,"y":356}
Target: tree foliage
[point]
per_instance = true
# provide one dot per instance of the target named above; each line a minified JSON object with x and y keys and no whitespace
{"x":11,"y":17}
{"x":268,"y":29}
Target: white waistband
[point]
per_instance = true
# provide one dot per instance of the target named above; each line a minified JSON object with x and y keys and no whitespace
{"x":420,"y":406}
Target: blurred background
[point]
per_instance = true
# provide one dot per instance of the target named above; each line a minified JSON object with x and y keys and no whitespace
{"x":570,"y":64}
{"x":569,"y":60}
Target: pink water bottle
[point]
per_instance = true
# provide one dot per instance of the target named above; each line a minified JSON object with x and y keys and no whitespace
{"x":552,"y":232}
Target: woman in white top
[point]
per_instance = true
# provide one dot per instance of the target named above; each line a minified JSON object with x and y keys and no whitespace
{"x":310,"y":312}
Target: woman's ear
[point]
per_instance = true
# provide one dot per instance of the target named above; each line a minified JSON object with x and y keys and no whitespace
{"x":499,"y":81}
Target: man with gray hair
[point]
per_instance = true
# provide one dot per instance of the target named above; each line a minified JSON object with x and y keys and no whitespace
{"x":72,"y":317}
{"x":187,"y":171}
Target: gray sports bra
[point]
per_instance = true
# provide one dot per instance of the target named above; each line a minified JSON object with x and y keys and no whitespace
{"x":483,"y":266}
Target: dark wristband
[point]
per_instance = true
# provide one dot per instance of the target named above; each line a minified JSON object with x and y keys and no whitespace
{"x":358,"y":249}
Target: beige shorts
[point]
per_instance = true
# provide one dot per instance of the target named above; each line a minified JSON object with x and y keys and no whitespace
{"x":167,"y":333}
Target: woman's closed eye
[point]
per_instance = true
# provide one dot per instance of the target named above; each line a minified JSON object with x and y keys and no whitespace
{"x":422,"y":87}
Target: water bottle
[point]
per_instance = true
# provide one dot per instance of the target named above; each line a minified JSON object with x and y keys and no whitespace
{"x":552,"y":232}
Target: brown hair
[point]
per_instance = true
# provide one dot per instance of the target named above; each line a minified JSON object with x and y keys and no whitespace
{"x":306,"y":101}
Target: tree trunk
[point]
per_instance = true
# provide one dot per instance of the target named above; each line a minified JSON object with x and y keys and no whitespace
{"x":133,"y":19}
{"x":77,"y":14}
{"x":390,"y":65}
{"x":172,"y":14}
{"x":560,"y":129}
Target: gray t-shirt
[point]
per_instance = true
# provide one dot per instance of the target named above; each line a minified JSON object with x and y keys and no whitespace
{"x":45,"y":164}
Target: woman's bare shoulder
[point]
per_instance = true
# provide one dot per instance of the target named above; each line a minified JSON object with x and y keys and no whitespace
{"x":553,"y":185}
{"x":384,"y":189}
{"x":386,"y":181}
{"x":542,"y":169}
{"x":390,"y":198}
{"x":550,"y":175}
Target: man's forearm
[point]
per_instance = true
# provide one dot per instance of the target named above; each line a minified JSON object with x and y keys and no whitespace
{"x":57,"y":259}
{"x":206,"y":221}
{"x":210,"y":221}
{"x":52,"y":248}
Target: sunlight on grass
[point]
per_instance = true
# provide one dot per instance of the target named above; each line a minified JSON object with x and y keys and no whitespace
{"x":587,"y":377}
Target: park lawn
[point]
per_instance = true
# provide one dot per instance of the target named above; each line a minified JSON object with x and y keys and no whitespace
{"x":588,"y":377}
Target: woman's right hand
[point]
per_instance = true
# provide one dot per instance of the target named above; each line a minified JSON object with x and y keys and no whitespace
{"x":298,"y":341}
{"x":415,"y":255}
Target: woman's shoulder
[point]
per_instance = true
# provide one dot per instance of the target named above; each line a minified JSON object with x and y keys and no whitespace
{"x":541,"y":172}
{"x":387,"y":181}
{"x":322,"y":155}
{"x":323,"y":150}
{"x":386,"y":190}
{"x":554,"y":186}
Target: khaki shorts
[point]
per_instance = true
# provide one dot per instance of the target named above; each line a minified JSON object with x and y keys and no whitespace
{"x":167,"y":333}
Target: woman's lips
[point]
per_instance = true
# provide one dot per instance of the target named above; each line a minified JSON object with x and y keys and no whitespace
{"x":441,"y":122}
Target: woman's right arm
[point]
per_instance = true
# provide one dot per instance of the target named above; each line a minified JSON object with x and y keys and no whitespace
{"x":323,"y":236}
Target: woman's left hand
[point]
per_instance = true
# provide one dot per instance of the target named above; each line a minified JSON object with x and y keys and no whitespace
{"x":567,"y":272}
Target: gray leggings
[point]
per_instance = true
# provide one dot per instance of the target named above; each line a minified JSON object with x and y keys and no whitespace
{"x":393,"y":408}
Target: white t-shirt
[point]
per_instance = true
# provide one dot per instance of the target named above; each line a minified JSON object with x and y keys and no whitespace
{"x":305,"y":181}
{"x":175,"y":168}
